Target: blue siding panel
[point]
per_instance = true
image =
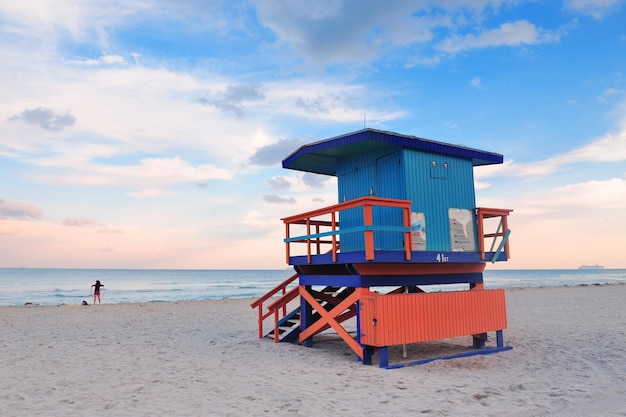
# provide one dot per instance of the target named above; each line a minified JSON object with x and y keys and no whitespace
{"x":389,"y":184}
{"x":356,"y":177}
{"x":436,"y":183}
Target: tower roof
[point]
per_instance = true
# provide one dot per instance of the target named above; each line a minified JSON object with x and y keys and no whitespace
{"x":321,"y":157}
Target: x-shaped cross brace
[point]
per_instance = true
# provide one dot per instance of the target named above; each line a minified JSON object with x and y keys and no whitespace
{"x":329,"y":318}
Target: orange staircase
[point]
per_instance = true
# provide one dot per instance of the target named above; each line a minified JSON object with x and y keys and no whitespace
{"x":278,"y":306}
{"x":286,"y":317}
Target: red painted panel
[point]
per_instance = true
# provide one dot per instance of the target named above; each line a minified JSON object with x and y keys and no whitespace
{"x":409,"y":318}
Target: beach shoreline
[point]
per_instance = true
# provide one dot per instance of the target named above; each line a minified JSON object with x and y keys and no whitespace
{"x":190,"y":358}
{"x":252,"y":299}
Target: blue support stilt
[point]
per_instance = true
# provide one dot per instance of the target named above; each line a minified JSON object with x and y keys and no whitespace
{"x":479,"y":340}
{"x":306,"y":318}
{"x":368,"y":351}
{"x":383,"y":356}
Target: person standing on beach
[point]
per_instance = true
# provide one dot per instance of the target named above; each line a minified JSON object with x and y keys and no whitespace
{"x":96,"y":291}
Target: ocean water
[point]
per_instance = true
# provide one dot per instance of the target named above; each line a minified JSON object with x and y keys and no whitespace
{"x":71,"y":286}
{"x":19,"y":286}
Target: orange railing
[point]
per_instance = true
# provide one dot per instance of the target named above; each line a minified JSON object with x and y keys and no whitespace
{"x":502,"y":231}
{"x":277,"y":306}
{"x":315,"y":240}
{"x":271,"y":310}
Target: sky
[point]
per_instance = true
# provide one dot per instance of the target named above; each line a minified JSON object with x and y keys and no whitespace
{"x":150,"y":133}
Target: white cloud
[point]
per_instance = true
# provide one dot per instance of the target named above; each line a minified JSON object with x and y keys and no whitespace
{"x":109,"y":231}
{"x":327,"y":100}
{"x":148,"y":172}
{"x":608,"y":196}
{"x":116,"y":110}
{"x":300,"y":182}
{"x":94,"y":21}
{"x":13,"y":209}
{"x":357,"y":31}
{"x":48,"y":119}
{"x":476,"y":82}
{"x":154,"y":171}
{"x":101,"y":60}
{"x":595,"y":8}
{"x":593,"y":199}
{"x":234,"y":98}
{"x":609,"y":148}
{"x":49,"y":22}
{"x":480,"y":185}
{"x":423,"y":61}
{"x":276,"y":199}
{"x":609,"y":93}
{"x":346,"y":30}
{"x":274,"y":153}
{"x":279,"y":183}
{"x":80,"y":222}
{"x":516,"y":33}
{"x":257,"y":220}
{"x":150,"y":193}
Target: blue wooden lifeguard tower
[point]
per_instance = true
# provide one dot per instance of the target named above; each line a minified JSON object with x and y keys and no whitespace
{"x":406,"y":219}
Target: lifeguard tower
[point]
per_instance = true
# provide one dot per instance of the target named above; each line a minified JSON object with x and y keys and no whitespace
{"x":406,"y":220}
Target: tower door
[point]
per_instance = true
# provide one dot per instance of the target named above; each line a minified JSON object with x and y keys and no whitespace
{"x":389,"y":184}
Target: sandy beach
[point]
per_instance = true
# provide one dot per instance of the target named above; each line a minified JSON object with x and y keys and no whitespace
{"x":204,"y":358}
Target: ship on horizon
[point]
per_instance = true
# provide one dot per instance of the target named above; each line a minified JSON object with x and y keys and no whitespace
{"x":596,"y":266}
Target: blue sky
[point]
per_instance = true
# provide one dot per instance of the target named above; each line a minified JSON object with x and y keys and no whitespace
{"x":149,"y":134}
